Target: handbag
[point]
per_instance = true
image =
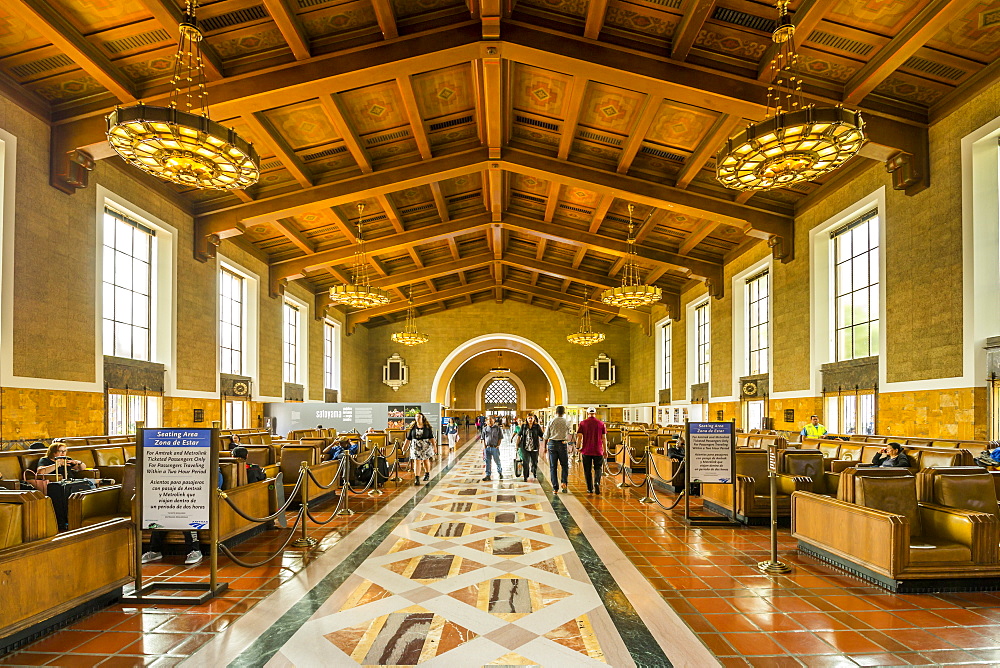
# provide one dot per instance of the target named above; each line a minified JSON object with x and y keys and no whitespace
{"x":31,"y":479}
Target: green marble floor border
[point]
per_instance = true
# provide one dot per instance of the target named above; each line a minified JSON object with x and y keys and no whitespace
{"x":274,"y":638}
{"x":645,"y":650}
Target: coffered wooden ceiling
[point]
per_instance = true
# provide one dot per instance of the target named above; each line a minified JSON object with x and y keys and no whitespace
{"x":497,"y":145}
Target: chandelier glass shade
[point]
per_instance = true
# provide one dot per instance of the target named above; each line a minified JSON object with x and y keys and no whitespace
{"x":178,"y":143}
{"x":585,"y":336}
{"x":410,"y":336}
{"x":360,"y":294}
{"x":795,"y":142}
{"x":632,"y":293}
{"x":500,"y":368}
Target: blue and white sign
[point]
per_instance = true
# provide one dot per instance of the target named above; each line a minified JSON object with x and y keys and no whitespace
{"x":710,"y":452}
{"x":177,"y":479}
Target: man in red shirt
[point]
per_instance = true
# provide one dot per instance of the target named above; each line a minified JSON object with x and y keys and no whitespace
{"x":591,"y":438}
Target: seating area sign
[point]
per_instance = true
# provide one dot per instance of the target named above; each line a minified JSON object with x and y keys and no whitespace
{"x":711,"y":451}
{"x":177,"y":478}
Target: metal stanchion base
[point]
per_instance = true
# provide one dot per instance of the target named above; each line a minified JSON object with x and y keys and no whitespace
{"x":774,"y":567}
{"x":646,"y":499}
{"x":375,"y":492}
{"x":345,"y":511}
{"x":304,"y":542}
{"x":623,"y":485}
{"x":142,"y":595}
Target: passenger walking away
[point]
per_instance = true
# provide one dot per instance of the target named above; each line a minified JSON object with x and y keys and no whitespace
{"x":592,"y":440}
{"x":556,"y":436}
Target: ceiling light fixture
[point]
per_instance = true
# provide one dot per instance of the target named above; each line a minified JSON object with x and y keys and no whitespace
{"x":585,"y":336}
{"x":500,"y":368}
{"x":410,"y":336}
{"x":180,"y":143}
{"x":633,"y":292}
{"x":794,"y":142}
{"x":361,"y":293}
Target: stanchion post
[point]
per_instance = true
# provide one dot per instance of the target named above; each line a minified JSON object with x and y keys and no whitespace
{"x":345,"y":460}
{"x":304,"y":540}
{"x":623,"y":449}
{"x":375,"y":491}
{"x":649,"y":482}
{"x":773,"y":566}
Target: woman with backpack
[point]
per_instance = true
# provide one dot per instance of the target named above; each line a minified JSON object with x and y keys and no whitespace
{"x":529,"y":440}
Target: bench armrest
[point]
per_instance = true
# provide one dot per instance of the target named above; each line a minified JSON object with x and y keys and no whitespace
{"x":980,"y":532}
{"x":92,"y":503}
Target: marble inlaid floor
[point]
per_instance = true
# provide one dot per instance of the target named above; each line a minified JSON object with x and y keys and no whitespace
{"x":476,"y":574}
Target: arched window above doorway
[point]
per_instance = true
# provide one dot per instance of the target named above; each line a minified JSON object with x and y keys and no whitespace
{"x":501,"y":391}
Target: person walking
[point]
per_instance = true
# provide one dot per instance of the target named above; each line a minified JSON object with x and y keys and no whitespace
{"x":420,"y":439}
{"x":592,"y":439}
{"x":556,"y":435}
{"x":529,"y":440}
{"x":453,"y":434}
{"x":491,"y":437}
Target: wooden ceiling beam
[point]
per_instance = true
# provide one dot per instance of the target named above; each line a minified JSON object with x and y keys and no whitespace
{"x":561,"y":298}
{"x":752,"y":221}
{"x":929,"y":22}
{"x":616,"y":267}
{"x":344,"y":225}
{"x":271,"y":139}
{"x":334,"y":112}
{"x":634,"y":141}
{"x":580,"y":254}
{"x":293,"y":234}
{"x":341,"y":276}
{"x":391,"y":212}
{"x":496,"y":241}
{"x":169,"y":16}
{"x":805,"y":19}
{"x":494,"y":185}
{"x":600,"y":212}
{"x":415,"y":256}
{"x":295,"y":267}
{"x":413,"y":114}
{"x":453,"y":247}
{"x":386,"y":18}
{"x":540,"y":248}
{"x":697,"y":235}
{"x":708,"y":271}
{"x":574,"y":106}
{"x":577,"y":275}
{"x":289,"y":27}
{"x":361,"y":317}
{"x":346,"y":191}
{"x":491,"y":100}
{"x":47,"y":21}
{"x":552,"y":201}
{"x":655,"y":217}
{"x":596,"y":9}
{"x":440,"y":202}
{"x":655,"y":274}
{"x":377,"y":265}
{"x":696,"y":12}
{"x":723,"y":129}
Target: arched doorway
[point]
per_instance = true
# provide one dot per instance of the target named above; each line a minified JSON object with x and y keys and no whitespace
{"x":499,"y":341}
{"x":500,"y":398}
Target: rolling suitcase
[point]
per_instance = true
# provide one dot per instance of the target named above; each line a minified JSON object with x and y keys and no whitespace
{"x":518,"y":464}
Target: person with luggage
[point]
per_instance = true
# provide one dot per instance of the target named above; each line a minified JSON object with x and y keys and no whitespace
{"x":529,"y":441}
{"x":420,"y":439}
{"x":56,"y":461}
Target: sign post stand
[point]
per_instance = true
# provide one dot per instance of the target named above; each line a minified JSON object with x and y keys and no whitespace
{"x":710,"y":458}
{"x":176,"y":488}
{"x":773,"y":566}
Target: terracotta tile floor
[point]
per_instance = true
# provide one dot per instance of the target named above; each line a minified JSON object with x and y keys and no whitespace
{"x":164,"y":635}
{"x":816,"y":616}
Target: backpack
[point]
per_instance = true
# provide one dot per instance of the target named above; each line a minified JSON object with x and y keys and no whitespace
{"x":255,"y":473}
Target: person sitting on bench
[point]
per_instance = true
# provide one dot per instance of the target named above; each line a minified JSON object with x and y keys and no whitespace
{"x":891,"y":455}
{"x":56,"y":461}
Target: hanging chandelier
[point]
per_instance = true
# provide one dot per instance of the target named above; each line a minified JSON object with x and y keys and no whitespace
{"x":361,"y":293}
{"x":632,"y":292}
{"x":794,"y":142}
{"x":410,"y":336}
{"x":180,"y":143}
{"x":585,"y":336}
{"x":500,"y":368}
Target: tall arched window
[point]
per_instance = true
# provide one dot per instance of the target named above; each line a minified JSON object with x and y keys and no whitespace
{"x":501,"y":391}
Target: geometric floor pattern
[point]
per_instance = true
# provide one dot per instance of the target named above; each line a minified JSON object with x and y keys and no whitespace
{"x":478,"y":574}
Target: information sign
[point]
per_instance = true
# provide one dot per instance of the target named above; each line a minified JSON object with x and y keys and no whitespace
{"x":177,"y":478}
{"x":710,"y":452}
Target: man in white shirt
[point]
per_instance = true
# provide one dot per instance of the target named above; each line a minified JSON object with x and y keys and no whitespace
{"x":556,"y":440}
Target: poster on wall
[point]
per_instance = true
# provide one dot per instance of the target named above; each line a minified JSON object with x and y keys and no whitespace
{"x":711,"y":451}
{"x":346,"y":417}
{"x":177,"y":478}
